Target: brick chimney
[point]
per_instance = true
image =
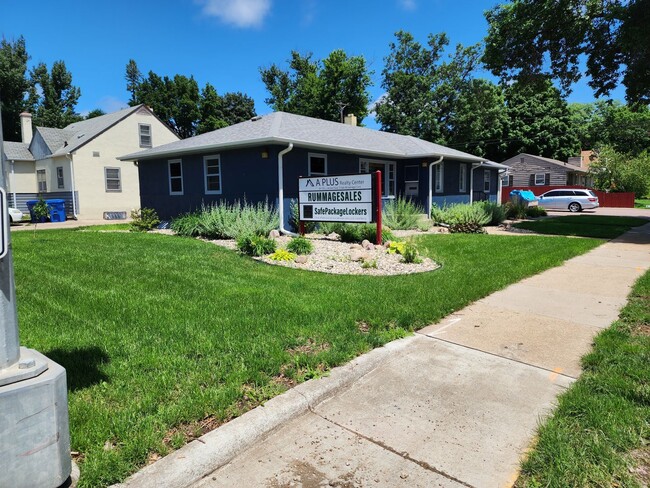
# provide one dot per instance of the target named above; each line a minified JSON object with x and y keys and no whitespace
{"x":26,"y":127}
{"x":350,"y":119}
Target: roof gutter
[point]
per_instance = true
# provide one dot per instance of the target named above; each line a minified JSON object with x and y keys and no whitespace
{"x":281,"y":190}
{"x":431,"y":165}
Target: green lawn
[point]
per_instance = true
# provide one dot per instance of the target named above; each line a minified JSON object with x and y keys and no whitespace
{"x":642,"y":203}
{"x":602,"y":424}
{"x":165,"y":336}
{"x":598,"y":226}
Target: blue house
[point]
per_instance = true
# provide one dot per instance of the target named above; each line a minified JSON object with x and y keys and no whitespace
{"x":262,"y":159}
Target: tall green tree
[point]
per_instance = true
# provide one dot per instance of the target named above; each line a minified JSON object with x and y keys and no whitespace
{"x":621,"y":172}
{"x":322,"y":89}
{"x":532,"y":37}
{"x":440,"y":100}
{"x":182,"y":106}
{"x":52,"y":96}
{"x":613,"y":124}
{"x":14,"y":86}
{"x":539,"y":120}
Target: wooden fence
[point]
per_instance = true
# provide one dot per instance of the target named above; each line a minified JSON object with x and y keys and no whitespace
{"x":620,"y":200}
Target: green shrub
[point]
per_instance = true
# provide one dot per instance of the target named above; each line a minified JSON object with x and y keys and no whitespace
{"x":188,"y":225}
{"x":467,"y":219}
{"x":41,"y":210}
{"x":410,"y":254}
{"x":438,"y":214}
{"x":534,"y":212}
{"x":282,"y":255}
{"x":425,"y":225}
{"x":401,"y":214}
{"x":369,"y":264}
{"x":254,"y":245}
{"x":294,"y":218}
{"x":232,"y":221}
{"x":515,"y":210}
{"x":300,"y":245}
{"x":496,"y":211}
{"x":396,"y":247}
{"x":143,"y":220}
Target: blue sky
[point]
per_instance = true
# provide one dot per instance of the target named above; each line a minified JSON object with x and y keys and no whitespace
{"x":225,"y":42}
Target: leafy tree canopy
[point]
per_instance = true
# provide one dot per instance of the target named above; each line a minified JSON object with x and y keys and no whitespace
{"x":441,"y":101}
{"x":539,"y":120}
{"x":613,"y":124}
{"x":186,"y":109}
{"x":322,"y":89}
{"x":52,"y":96}
{"x":14,"y":86}
{"x":532,"y":37}
{"x":620,"y":172}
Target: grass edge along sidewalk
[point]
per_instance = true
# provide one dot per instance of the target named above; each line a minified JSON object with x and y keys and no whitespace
{"x":164,"y":337}
{"x":596,"y":226}
{"x":599,"y":434}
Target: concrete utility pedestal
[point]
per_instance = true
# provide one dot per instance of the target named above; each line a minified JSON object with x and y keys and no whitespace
{"x":34,"y":432}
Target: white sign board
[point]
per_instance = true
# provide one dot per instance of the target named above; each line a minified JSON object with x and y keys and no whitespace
{"x":343,"y":198}
{"x":4,"y":224}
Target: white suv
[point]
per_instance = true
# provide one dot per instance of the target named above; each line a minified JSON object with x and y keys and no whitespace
{"x":573,"y":200}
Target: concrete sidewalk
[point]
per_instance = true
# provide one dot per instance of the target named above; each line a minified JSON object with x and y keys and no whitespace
{"x":455,"y":405}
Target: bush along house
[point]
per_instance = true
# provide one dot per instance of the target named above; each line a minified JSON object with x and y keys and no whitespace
{"x":262,"y":159}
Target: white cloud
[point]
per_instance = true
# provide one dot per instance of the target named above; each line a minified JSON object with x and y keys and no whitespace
{"x":408,"y":4}
{"x":241,"y":13}
{"x":111,"y":104}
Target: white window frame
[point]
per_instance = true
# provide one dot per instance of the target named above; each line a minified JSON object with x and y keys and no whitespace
{"x":206,"y":175}
{"x":487,"y":180}
{"x":316,"y":155}
{"x":118,"y":179}
{"x":462,"y":178}
{"x":439,"y":174}
{"x":543,"y":175}
{"x":41,"y":180}
{"x":148,"y":134}
{"x":169,"y":174}
{"x":60,"y":181}
{"x":387,"y":174}
{"x":505,"y":181}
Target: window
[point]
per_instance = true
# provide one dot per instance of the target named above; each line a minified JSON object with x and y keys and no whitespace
{"x":539,"y":179}
{"x":387,"y":169}
{"x":41,"y":180}
{"x":317,"y":165}
{"x":145,"y":135}
{"x":59,"y":177}
{"x":113,"y":180}
{"x":212,"y":170}
{"x":439,"y":177}
{"x":175,"y":177}
{"x":462,"y":178}
{"x":486,"y":180}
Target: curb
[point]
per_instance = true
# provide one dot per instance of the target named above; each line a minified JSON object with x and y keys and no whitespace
{"x":208,"y":453}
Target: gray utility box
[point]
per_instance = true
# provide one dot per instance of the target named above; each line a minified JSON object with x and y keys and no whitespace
{"x":34,"y":432}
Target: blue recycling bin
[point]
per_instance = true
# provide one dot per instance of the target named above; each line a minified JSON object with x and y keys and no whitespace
{"x":30,"y":207}
{"x":525,"y":197}
{"x":57,"y":209}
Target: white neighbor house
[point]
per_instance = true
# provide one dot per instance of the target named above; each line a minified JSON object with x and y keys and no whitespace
{"x":81,"y":160}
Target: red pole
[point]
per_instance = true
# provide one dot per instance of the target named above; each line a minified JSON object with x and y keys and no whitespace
{"x":301,"y":226}
{"x":379,"y":195}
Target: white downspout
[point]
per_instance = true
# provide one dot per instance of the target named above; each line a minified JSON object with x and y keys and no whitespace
{"x":281,"y":190}
{"x":431,"y":165}
{"x":471,"y":181}
{"x":74,"y":200}
{"x":502,"y":172}
{"x":13,"y":183}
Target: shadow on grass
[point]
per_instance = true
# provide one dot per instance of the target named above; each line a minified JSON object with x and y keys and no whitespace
{"x":81,"y":365}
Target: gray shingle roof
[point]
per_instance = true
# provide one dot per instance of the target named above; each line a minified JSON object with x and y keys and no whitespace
{"x":54,"y":138}
{"x":284,"y":128}
{"x":567,"y":166}
{"x":18,"y":151}
{"x":79,"y":133}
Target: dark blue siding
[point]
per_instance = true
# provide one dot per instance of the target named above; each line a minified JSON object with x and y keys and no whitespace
{"x":245,"y":174}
